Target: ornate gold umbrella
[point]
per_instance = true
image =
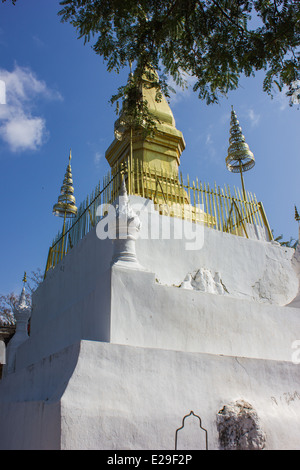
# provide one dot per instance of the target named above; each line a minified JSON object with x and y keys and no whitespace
{"x":239,"y":158}
{"x":65,"y":206}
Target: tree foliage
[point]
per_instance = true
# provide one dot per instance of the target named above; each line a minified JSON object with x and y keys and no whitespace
{"x":9,"y":301}
{"x":291,"y":243}
{"x":7,"y":305}
{"x":214,"y":41}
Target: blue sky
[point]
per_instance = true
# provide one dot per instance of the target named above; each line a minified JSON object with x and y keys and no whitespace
{"x":57,"y":98}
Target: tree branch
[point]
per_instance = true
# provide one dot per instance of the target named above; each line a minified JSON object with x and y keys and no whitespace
{"x":228,"y":17}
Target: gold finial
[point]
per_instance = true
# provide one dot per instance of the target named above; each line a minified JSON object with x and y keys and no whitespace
{"x":66,"y":207}
{"x":238,"y":151}
{"x":239,"y":157}
{"x":297,"y":216}
{"x":24,"y":278}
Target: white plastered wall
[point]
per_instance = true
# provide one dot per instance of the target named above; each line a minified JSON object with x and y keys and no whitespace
{"x":74,"y":302}
{"x":117,"y":357}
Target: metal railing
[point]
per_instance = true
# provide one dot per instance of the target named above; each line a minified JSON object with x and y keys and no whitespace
{"x":86,"y":218}
{"x":217,"y":207}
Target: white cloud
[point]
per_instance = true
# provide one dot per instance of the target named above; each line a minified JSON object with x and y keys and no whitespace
{"x":283,"y":100}
{"x":19,"y":128}
{"x":254,"y":118}
{"x":208,"y":139}
{"x":2,"y":92}
{"x":210,"y":145}
{"x":24,"y":133}
{"x":225,"y":118}
{"x":97,"y":158}
{"x":179,"y":91}
{"x":37,"y":41}
{"x":295,"y":98}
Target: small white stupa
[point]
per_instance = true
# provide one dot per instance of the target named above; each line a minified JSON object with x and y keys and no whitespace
{"x":125,"y":226}
{"x":22,"y":312}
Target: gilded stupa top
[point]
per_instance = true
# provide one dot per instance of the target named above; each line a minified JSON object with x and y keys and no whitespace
{"x":148,"y":148}
{"x":239,"y":158}
{"x":65,"y":206}
{"x":159,"y":109}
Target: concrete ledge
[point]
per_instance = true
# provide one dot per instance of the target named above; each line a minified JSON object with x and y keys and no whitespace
{"x":156,"y":316}
{"x":112,"y":396}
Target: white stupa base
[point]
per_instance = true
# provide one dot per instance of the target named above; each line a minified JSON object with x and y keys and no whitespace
{"x":118,"y":355}
{"x":95,"y":395}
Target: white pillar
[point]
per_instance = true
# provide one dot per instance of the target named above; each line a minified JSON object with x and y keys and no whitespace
{"x":127,"y":228}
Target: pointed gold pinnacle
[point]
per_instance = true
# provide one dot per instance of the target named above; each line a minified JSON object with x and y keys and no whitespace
{"x":239,"y":157}
{"x":66,"y":207}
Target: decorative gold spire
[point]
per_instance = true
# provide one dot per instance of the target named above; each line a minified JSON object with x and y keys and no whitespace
{"x":65,"y":207}
{"x":150,"y":149}
{"x":24,"y":278}
{"x":239,"y":158}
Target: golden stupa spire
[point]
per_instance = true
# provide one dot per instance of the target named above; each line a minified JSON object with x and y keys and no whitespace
{"x":239,"y":158}
{"x":65,"y":206}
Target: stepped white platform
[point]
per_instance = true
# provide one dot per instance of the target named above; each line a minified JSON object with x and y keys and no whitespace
{"x":119,"y":354}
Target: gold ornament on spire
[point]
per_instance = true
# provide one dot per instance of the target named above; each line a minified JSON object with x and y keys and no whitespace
{"x":65,"y":207}
{"x":24,"y":278}
{"x":239,"y":158}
